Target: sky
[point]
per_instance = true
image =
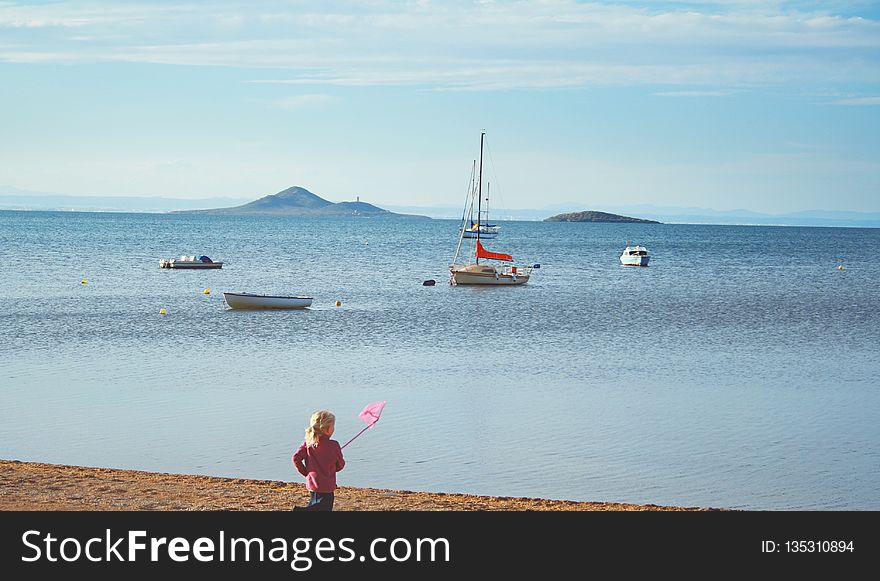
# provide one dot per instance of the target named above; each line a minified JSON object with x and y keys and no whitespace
{"x":767,"y":106}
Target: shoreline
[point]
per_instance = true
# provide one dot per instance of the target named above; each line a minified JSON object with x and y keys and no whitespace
{"x":35,"y":486}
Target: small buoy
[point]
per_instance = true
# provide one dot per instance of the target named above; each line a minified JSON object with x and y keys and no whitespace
{"x":83,"y":281}
{"x":207,"y":291}
{"x":429,"y":282}
{"x":338,"y":303}
{"x":366,"y":243}
{"x":839,"y":267}
{"x":162,"y":311}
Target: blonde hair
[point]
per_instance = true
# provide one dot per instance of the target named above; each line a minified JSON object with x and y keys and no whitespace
{"x":318,"y":426}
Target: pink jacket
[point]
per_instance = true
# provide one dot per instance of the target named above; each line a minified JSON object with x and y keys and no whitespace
{"x":319,"y":464}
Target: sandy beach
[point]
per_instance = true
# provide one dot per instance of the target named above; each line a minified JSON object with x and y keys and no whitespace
{"x":37,"y":486}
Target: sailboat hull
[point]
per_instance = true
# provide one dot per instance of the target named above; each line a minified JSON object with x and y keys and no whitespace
{"x":473,"y":274}
{"x":483,"y":235}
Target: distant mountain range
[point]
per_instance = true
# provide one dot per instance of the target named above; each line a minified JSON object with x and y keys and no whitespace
{"x":17,"y":199}
{"x":593,"y":216}
{"x":294,"y":201}
{"x":672,"y":215}
{"x":298,"y":201}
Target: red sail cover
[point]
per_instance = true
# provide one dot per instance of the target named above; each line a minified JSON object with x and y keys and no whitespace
{"x":483,"y":253}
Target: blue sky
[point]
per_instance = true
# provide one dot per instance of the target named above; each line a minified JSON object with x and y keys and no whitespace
{"x":768,"y":106}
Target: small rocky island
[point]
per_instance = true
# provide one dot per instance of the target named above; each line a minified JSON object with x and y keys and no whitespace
{"x":592,"y":216}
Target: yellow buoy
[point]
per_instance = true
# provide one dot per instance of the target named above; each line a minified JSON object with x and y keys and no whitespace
{"x":338,"y":303}
{"x":162,"y":311}
{"x":84,"y":281}
{"x":207,"y":291}
{"x":839,"y":267}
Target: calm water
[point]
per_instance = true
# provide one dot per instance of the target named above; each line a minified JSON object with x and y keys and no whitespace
{"x":741,"y":369}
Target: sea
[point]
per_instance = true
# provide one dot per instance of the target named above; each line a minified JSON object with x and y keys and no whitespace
{"x":741,"y":369}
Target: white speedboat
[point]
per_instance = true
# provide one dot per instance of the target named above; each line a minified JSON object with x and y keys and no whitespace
{"x":250,"y":301}
{"x":201,"y":262}
{"x":634,"y":256}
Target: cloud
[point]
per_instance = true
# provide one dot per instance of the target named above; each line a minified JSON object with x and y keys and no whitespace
{"x":45,"y":23}
{"x":465,"y":45}
{"x":858,"y":101}
{"x":75,"y":14}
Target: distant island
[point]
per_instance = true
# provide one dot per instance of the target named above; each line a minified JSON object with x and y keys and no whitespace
{"x":591,"y":216}
{"x":298,"y":201}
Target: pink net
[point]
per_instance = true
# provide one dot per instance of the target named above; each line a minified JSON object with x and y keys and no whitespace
{"x":370,"y":414}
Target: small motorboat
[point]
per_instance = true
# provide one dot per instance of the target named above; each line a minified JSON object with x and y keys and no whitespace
{"x":250,"y":301}
{"x":634,"y":256}
{"x":189,"y":262}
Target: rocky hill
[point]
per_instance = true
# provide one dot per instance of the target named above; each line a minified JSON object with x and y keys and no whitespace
{"x":298,"y":201}
{"x":592,"y":216}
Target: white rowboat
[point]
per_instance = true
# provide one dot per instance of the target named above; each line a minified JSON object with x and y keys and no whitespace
{"x":249,"y":301}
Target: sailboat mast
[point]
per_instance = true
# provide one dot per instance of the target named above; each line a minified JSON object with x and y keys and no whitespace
{"x":487,"y":202}
{"x":480,"y":191}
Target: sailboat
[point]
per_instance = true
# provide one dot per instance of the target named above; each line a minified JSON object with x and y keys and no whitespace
{"x":470,"y":227}
{"x":472,"y":271}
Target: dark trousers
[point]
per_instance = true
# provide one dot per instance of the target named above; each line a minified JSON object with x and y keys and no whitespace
{"x":318,"y":501}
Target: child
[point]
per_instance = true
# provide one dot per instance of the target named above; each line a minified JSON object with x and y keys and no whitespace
{"x":319,"y":459}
